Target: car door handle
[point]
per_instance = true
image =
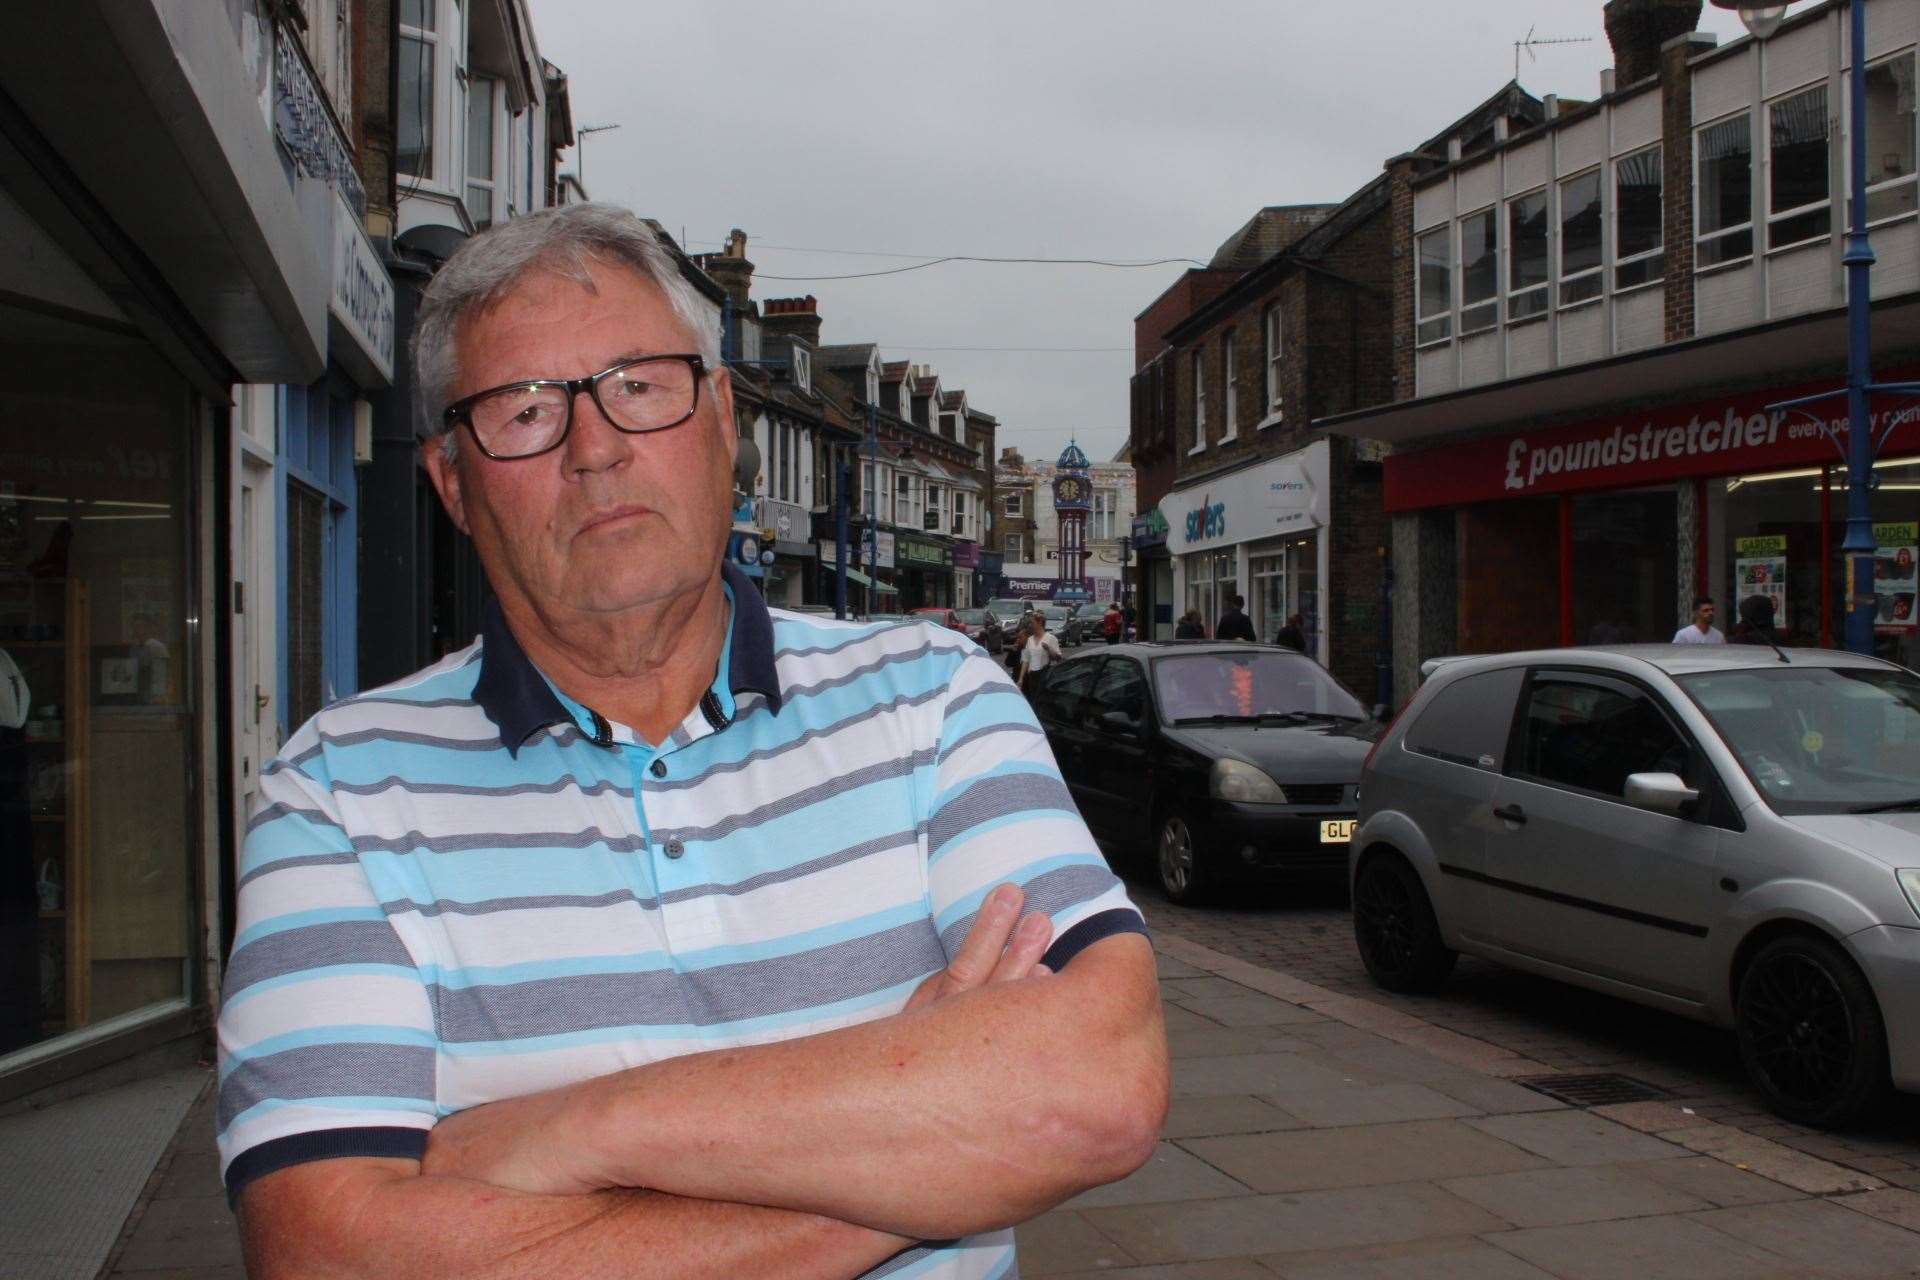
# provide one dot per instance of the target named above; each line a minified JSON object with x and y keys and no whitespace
{"x":1511,"y":813}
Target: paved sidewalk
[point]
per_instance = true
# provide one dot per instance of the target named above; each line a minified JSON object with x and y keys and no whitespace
{"x":1318,"y":1136}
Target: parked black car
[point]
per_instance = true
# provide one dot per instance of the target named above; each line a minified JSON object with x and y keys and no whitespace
{"x":1223,"y":763}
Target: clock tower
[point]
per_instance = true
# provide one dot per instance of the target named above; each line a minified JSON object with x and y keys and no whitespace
{"x":1072,"y":499}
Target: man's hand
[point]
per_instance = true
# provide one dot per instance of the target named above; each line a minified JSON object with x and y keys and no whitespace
{"x":1001,"y":947}
{"x":510,"y":1143}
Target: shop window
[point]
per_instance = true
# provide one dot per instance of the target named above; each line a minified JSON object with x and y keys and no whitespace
{"x":1479,"y":273}
{"x":1273,"y":335}
{"x":1723,"y":188}
{"x":1799,"y":208}
{"x":1580,"y":279}
{"x":1890,"y":139}
{"x":1435,"y":317}
{"x":1229,"y":393}
{"x":1637,"y":220}
{"x":1526,"y":256}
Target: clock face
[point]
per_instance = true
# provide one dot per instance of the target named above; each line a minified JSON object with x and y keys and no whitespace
{"x":1070,"y":490}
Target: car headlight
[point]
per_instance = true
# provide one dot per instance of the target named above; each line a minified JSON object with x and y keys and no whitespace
{"x":1238,"y":781}
{"x":1910,"y":881}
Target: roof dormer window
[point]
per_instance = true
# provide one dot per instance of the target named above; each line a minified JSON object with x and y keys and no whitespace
{"x":802,"y":368}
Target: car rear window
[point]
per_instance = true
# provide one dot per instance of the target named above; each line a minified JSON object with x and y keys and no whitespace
{"x":1467,"y":722}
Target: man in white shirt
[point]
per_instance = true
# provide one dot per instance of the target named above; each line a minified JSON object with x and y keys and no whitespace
{"x":1701,"y":630}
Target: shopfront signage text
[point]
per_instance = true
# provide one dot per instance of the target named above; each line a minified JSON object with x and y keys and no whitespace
{"x":926,"y":553}
{"x":1208,"y":520}
{"x":305,"y":126}
{"x":362,"y":299}
{"x":1728,"y":436}
{"x":1281,"y":495}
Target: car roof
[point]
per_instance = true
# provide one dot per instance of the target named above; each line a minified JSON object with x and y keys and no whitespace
{"x":1165,"y":648}
{"x":1670,"y":659}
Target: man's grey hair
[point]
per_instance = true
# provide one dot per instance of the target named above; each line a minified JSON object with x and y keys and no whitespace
{"x":564,"y":241}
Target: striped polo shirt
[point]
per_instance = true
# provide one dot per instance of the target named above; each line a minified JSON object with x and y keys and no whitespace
{"x":467,"y":886}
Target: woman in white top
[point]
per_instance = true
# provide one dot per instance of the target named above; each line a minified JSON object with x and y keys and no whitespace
{"x":1038,"y":649}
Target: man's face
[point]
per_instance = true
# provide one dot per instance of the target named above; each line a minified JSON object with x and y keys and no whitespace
{"x":1703,"y":616}
{"x":607,"y":521}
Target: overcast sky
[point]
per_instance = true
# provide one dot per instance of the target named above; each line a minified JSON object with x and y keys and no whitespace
{"x":1115,"y":129}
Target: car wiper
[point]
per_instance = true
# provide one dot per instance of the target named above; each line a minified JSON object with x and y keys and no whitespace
{"x":1892,"y":806}
{"x":1333,"y":716}
{"x":1219,"y":718}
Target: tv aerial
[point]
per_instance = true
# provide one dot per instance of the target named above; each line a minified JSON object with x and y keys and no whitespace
{"x":1530,"y":42}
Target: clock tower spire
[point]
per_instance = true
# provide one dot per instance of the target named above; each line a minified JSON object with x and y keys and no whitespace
{"x":1072,"y":499}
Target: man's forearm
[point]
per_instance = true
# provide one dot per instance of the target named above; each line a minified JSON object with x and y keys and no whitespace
{"x":975,"y":1113}
{"x":428,"y":1228}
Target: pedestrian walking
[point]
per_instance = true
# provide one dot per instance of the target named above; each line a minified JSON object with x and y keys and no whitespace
{"x":1234,"y":624}
{"x":1293,"y":634}
{"x":1113,"y":624}
{"x":1038,"y":648}
{"x":1190,"y":627}
{"x":619,"y":829}
{"x":1756,"y":622}
{"x":1701,"y":630}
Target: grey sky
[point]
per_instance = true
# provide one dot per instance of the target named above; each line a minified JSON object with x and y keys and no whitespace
{"x":1042,"y":129}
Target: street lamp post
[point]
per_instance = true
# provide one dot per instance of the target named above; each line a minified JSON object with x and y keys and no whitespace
{"x":1762,"y":20}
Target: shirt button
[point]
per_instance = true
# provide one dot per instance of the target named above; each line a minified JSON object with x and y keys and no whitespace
{"x":675,"y":848}
{"x":659,"y":769}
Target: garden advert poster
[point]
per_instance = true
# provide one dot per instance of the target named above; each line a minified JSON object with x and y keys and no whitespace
{"x":1894,"y":577}
{"x":1760,"y":569}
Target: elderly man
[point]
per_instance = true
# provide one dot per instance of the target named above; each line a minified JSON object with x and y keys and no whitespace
{"x":658,"y":934}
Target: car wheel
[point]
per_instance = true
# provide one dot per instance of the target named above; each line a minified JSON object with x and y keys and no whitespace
{"x":1177,"y":860}
{"x":1393,"y":923}
{"x":1811,"y":1034}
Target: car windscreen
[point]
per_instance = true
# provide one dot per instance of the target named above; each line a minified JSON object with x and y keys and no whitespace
{"x":1254,"y":685}
{"x":1007,"y":608}
{"x":972,"y":617}
{"x":1052,"y":612}
{"x":1819,"y":739}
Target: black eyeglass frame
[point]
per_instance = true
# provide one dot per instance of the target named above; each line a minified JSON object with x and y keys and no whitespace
{"x":458,"y":413}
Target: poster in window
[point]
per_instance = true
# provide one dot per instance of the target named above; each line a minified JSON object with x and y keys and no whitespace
{"x":1760,"y":569}
{"x":1894,"y":576}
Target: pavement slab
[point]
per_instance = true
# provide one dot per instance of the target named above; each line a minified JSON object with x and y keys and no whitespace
{"x":1895,"y":1205}
{"x":1719,"y":1184}
{"x":1821,"y":1234}
{"x":1639,"y":1248}
{"x":1249,"y":1009}
{"x":1252,"y":1226}
{"x":1557,"y":1197}
{"x":1770,"y":1159}
{"x":1216,"y":1269}
{"x":1170,"y":1174}
{"x":1232,"y":1113}
{"x":1575,"y":1137}
{"x":1368,"y":1104}
{"x":1467,"y":1259}
{"x":1252,"y":1073}
{"x":1063,"y":1241}
{"x":1496,"y":1097}
{"x":1212,"y":1040}
{"x":1366,"y":1155}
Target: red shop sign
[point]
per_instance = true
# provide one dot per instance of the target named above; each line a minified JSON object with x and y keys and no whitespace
{"x":1732,"y":435}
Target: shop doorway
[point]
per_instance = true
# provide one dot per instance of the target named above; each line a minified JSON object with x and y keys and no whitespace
{"x":1626,"y":569}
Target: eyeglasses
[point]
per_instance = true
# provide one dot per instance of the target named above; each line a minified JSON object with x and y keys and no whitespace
{"x":525,"y":419}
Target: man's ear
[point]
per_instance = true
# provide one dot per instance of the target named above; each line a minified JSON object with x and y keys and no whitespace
{"x":445,"y":474}
{"x":722,"y":381}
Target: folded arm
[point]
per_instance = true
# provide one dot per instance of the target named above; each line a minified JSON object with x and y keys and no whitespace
{"x":965,"y":1114}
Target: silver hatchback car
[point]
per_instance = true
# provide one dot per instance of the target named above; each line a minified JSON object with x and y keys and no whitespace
{"x":1730,"y":833}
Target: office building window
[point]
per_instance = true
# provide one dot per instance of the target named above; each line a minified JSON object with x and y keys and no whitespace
{"x":1527,"y":256}
{"x":1479,"y":273}
{"x":1890,"y":139}
{"x":1637,"y":211}
{"x":1580,"y":238}
{"x":1723,"y":192}
{"x":1435,"y":318}
{"x":1799,"y":203}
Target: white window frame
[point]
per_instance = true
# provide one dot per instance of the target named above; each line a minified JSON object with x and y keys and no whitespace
{"x":1537,"y":296}
{"x":1273,"y":333}
{"x":1753,"y":184}
{"x":1100,"y":519}
{"x":1645,"y":255}
{"x":1430,"y":328}
{"x":1199,"y":365}
{"x":1014,"y":504}
{"x":1229,"y":392}
{"x":873,"y":384}
{"x":1911,"y":178}
{"x":802,"y":368}
{"x":963,"y":515}
{"x":1490,"y":304}
{"x":1776,"y":217}
{"x":449,"y":141}
{"x":498,"y":161}
{"x":1592,"y":278}
{"x":867,"y":490}
{"x":906,"y":499}
{"x":1013,"y":546}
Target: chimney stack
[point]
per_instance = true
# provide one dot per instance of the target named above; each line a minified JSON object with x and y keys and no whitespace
{"x":731,"y":270}
{"x":792,"y":318}
{"x":1637,"y":28}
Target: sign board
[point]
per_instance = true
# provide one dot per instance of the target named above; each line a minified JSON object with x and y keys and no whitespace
{"x":1760,"y":569}
{"x":1897,"y":549}
{"x":362,"y":295}
{"x":921,"y":553}
{"x":1281,"y":496}
{"x":1728,"y":435}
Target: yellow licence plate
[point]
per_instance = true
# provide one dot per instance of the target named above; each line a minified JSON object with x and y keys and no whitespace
{"x":1337,"y":831}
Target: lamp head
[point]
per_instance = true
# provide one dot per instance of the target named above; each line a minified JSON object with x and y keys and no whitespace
{"x":1761,"y":20}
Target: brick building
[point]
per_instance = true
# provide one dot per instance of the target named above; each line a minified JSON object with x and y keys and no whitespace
{"x":1591,"y":317}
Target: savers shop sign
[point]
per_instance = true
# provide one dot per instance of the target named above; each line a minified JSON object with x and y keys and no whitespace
{"x":1730,"y":436}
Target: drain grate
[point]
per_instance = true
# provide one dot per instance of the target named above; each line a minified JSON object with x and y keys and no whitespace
{"x":1592,"y":1091}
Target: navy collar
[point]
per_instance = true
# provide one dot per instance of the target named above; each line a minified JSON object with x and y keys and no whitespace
{"x":517,"y":698}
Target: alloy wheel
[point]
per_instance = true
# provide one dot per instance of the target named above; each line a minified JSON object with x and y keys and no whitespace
{"x":1801,"y":1030}
{"x":1383,"y":913}
{"x":1176,"y":857}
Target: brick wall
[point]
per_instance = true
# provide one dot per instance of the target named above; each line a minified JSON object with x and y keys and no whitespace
{"x":1676,"y":184}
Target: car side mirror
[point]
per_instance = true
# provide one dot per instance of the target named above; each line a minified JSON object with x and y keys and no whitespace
{"x":1120,"y":722}
{"x":1660,"y":792}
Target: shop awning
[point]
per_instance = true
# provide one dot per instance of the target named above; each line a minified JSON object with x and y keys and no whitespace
{"x":860,"y":579}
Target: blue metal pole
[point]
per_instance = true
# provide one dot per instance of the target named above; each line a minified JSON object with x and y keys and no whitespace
{"x":1858,"y":548}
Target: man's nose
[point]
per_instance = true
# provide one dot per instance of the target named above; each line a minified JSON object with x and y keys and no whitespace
{"x":593,"y":443}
